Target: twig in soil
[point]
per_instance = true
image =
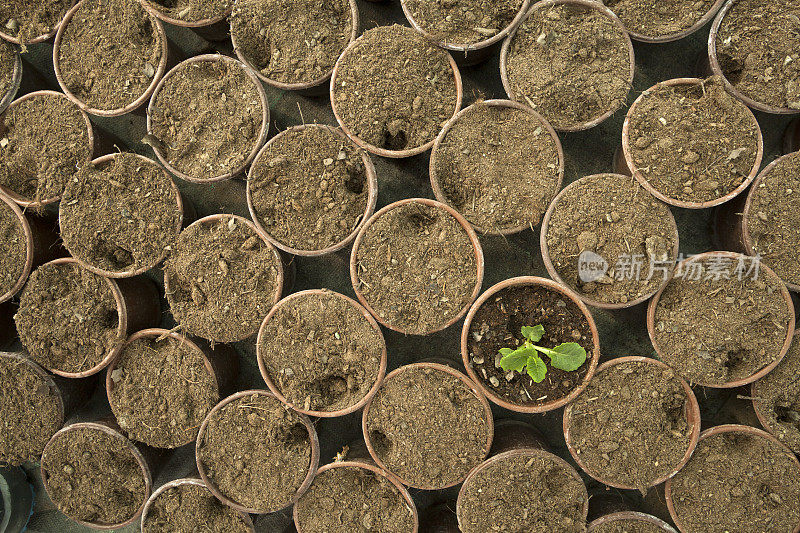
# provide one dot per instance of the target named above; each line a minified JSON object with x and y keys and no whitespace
{"x":752,"y":398}
{"x":168,"y":333}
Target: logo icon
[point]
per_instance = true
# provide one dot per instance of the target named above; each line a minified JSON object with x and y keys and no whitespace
{"x":591,"y":266}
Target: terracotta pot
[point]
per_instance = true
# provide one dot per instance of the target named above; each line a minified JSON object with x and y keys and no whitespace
{"x":437,"y":187}
{"x":791,"y":139}
{"x":651,"y":315}
{"x":473,"y":237}
{"x":592,"y":358}
{"x":16,"y":499}
{"x":312,"y":437}
{"x":37,"y":249}
{"x":38,"y":39}
{"x":440,"y":368}
{"x":211,"y":29}
{"x":691,"y":411}
{"x":630,"y":516}
{"x":262,"y":135}
{"x":469,"y":54}
{"x":16,"y":79}
{"x":544,"y":4}
{"x":716,"y":430}
{"x":634,"y":170}
{"x":372,"y":195}
{"x":248,"y":521}
{"x":712,"y":10}
{"x":273,"y":387}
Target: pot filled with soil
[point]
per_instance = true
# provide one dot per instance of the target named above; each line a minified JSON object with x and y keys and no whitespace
{"x":205,"y":16}
{"x":208,"y":118}
{"x":162,"y":385}
{"x":109,"y":55}
{"x":691,"y":144}
{"x":570,"y":60}
{"x":753,"y":45}
{"x":609,"y":241}
{"x":472,"y":30}
{"x":392,"y":91}
{"x":652,"y":21}
{"x":428,"y":425}
{"x":635,"y":426}
{"x":222,"y":278}
{"x":10,"y":74}
{"x":18,"y":247}
{"x":256,"y":455}
{"x":133,"y":190}
{"x":31,"y":21}
{"x":74,"y":322}
{"x":739,"y":479}
{"x":499,"y":163}
{"x":355,"y":495}
{"x":321,"y":353}
{"x":723,"y":320}
{"x":629,"y":522}
{"x":310,"y":190}
{"x":96,"y":476}
{"x":293,"y":45}
{"x":530,"y":344}
{"x":46,"y":140}
{"x":187,"y":505}
{"x":416,"y":266}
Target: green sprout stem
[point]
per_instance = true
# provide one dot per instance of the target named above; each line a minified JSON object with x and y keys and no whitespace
{"x":568,"y":356}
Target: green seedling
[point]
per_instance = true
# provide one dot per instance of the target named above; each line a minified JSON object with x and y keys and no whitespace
{"x":568,"y":356}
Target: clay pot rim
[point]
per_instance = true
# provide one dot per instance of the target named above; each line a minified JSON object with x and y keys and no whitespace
{"x":313,"y":440}
{"x":511,"y":453}
{"x":158,"y":29}
{"x":691,"y":412}
{"x":717,"y":69}
{"x":626,"y":151}
{"x":511,"y":104}
{"x":27,"y":202}
{"x":148,"y":6}
{"x":552,"y":286}
{"x":39,"y":38}
{"x":186,"y":481}
{"x":487,"y":409}
{"x":392,"y":154}
{"x":651,"y":314}
{"x":274,"y":388}
{"x":258,"y":141}
{"x":304,"y":85}
{"x":279,"y":280}
{"x":716,"y":430}
{"x":29,"y":248}
{"x":130,"y":446}
{"x":709,"y":14}
{"x":141,"y":270}
{"x":629,"y":515}
{"x":476,"y":248}
{"x":591,"y":4}
{"x":551,"y":269}
{"x":378,"y":472}
{"x":746,"y":237}
{"x":16,"y":77}
{"x":372,"y":194}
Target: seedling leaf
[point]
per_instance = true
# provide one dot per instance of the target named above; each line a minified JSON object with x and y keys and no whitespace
{"x":568,"y":356}
{"x":533,"y":333}
{"x":537,"y":369}
{"x":516,"y":359}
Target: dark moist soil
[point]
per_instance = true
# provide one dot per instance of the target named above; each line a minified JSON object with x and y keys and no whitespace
{"x":46,"y":140}
{"x":462,"y":22}
{"x":498,"y":324}
{"x":416,"y":267}
{"x":570,"y":63}
{"x":614,"y":217}
{"x":754,"y":41}
{"x":629,"y":425}
{"x":30,"y":413}
{"x":394,"y":89}
{"x":738,"y":483}
{"x":533,"y":493}
{"x":28,"y":19}
{"x":292,"y":41}
{"x":14,"y":249}
{"x":120,"y":216}
{"x":67,"y":318}
{"x":714,"y":331}
{"x":162,"y":392}
{"x":309,"y":188}
{"x":778,"y":398}
{"x":257,"y":452}
{"x":207,"y":118}
{"x":773,"y":219}
{"x":8,"y":60}
{"x":428,"y":427}
{"x":190,"y":507}
{"x":693,"y":143}
{"x":192,"y":10}
{"x":499,"y":167}
{"x":628,"y":526}
{"x":321,"y":352}
{"x":94,"y":477}
{"x":353,"y":500}
{"x":659,"y":18}
{"x":109,"y":54}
